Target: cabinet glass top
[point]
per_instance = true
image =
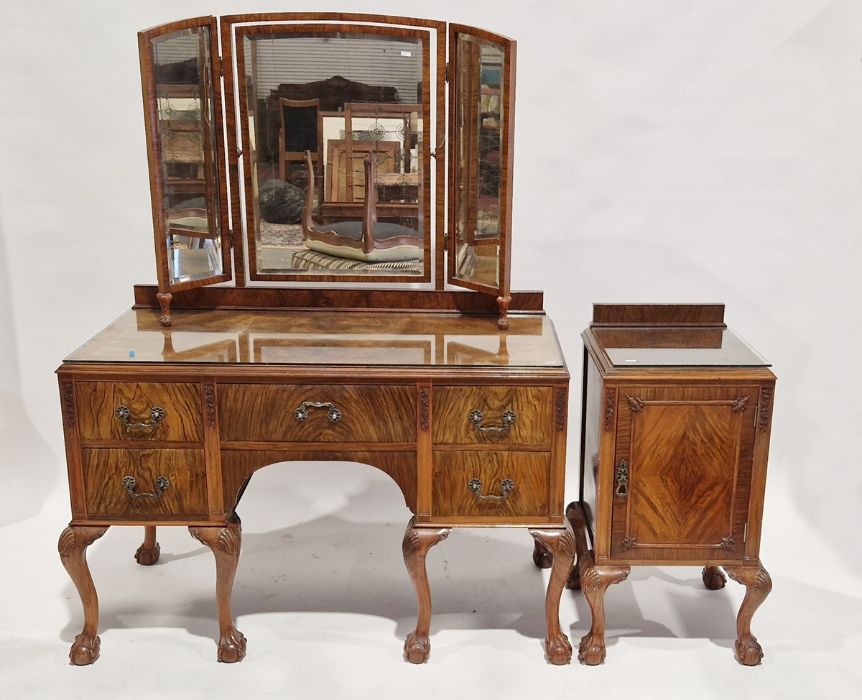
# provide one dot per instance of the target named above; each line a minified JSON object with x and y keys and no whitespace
{"x":676,"y":347}
{"x":325,"y":338}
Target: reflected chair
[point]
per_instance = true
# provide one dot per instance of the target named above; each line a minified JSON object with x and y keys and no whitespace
{"x":298,"y":132}
{"x":367,"y":240}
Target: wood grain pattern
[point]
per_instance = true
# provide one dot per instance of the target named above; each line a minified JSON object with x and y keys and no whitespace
{"x":368,"y":413}
{"x":97,"y":403}
{"x":104,"y":470}
{"x":688,"y":451}
{"x":281,"y":298}
{"x":453,"y":471}
{"x":658,"y":314}
{"x":533,"y":407}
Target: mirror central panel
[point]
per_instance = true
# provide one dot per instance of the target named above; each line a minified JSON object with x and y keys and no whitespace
{"x":334,"y":124}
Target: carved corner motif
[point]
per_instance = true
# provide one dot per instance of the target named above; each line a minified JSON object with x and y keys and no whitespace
{"x":560,"y":409}
{"x":636,"y":404}
{"x":424,"y":408}
{"x":763,"y":409}
{"x":69,"y":404}
{"x":739,"y":404}
{"x":210,"y":403}
{"x":610,"y":408}
{"x":628,"y":543}
{"x":728,"y":543}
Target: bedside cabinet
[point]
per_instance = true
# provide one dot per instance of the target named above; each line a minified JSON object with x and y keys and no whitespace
{"x":676,"y":424}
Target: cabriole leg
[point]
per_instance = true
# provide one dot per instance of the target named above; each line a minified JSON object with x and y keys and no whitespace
{"x":758,"y":585}
{"x":225,"y":545}
{"x":148,"y":552}
{"x":72,"y":546}
{"x":560,"y":545}
{"x":594,"y":583}
{"x":417,"y":542}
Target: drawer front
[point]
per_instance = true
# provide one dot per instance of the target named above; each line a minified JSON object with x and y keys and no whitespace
{"x":470,"y":415}
{"x":493,"y":484}
{"x":147,"y":411}
{"x":317,"y":413}
{"x":109,"y":493}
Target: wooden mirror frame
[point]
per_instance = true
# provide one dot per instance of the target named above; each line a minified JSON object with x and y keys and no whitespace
{"x":237,"y":218}
{"x":154,"y":157}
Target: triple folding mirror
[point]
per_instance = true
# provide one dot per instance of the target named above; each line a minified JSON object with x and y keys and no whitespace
{"x":326,"y":148}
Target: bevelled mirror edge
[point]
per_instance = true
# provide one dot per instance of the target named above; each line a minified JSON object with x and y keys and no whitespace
{"x":481,"y":138}
{"x":182,"y":105}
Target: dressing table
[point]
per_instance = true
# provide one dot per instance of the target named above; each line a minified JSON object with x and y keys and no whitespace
{"x":272,"y":336}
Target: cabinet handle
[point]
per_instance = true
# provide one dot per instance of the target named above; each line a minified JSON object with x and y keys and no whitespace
{"x":333,"y":415}
{"x":506,"y":487}
{"x":476,"y":417}
{"x":622,"y":478}
{"x":140,"y":429}
{"x":161,"y":484}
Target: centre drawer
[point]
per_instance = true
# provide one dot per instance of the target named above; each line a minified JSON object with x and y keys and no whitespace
{"x":145,"y":483}
{"x":317,"y":413}
{"x":490,"y":483}
{"x":476,"y":415}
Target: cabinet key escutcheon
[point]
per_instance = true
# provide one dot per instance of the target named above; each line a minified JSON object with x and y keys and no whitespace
{"x":161,"y":485}
{"x":622,"y":478}
{"x":476,"y":417}
{"x":506,"y":487}
{"x":140,"y":429}
{"x":333,"y":415}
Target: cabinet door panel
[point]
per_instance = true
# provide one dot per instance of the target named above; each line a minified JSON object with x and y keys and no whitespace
{"x":682,"y":472}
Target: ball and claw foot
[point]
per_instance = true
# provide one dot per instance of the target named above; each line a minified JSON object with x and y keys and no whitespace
{"x":558,"y":651}
{"x":231,"y":647}
{"x":417,"y":649}
{"x":748,"y":651}
{"x":713,"y":578}
{"x":85,"y":650}
{"x":591,"y":652}
{"x":147,"y":556}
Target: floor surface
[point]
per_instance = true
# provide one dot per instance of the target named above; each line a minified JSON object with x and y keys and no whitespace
{"x":325,"y":602}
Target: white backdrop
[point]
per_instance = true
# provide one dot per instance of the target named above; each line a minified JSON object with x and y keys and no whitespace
{"x":666,"y":151}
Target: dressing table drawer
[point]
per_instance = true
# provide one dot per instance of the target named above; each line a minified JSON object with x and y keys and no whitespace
{"x":139,"y":411}
{"x":493,"y":484}
{"x":317,"y":413}
{"x":142,"y":483}
{"x":471,"y":415}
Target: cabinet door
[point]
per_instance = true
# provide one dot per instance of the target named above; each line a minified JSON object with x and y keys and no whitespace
{"x":183,"y":111}
{"x":682,"y":472}
{"x":481,"y":130}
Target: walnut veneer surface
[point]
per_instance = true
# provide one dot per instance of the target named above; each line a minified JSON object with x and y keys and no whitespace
{"x":165,"y":426}
{"x":673,"y":459}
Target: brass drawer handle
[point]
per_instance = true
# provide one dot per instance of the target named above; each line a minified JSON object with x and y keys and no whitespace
{"x":476,"y":417}
{"x":506,"y":487}
{"x":333,"y":415}
{"x":622,"y":478}
{"x":140,"y":429}
{"x":161,"y":485}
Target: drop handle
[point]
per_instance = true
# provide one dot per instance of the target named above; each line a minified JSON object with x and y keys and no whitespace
{"x":140,"y":428}
{"x":160,"y":484}
{"x":506,"y":487}
{"x":477,"y":418}
{"x":333,"y":414}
